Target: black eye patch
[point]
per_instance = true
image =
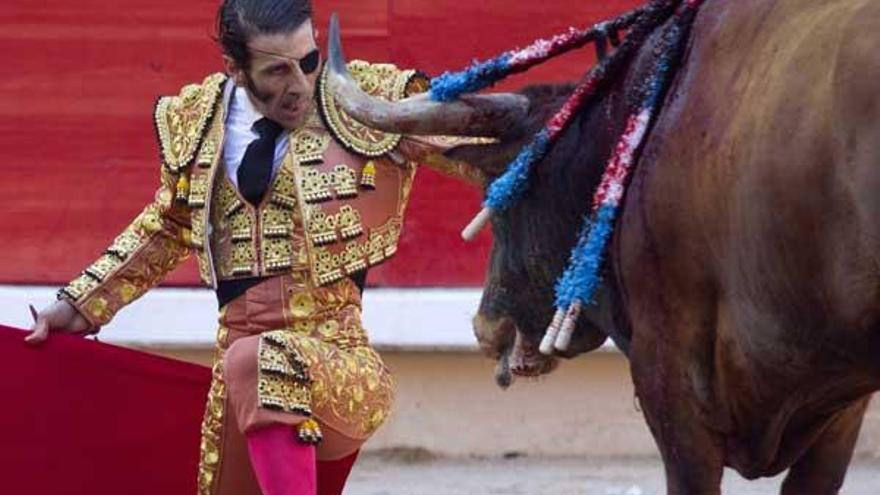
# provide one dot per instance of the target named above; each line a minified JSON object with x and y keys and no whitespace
{"x":310,"y":62}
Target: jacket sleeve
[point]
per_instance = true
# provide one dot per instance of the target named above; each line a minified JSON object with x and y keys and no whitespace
{"x":431,"y":150}
{"x":156,"y":242}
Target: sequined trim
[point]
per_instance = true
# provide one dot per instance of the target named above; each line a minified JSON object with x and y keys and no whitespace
{"x":125,"y":244}
{"x":309,"y":145}
{"x":357,"y":255}
{"x":341,"y":183}
{"x":198,"y":189}
{"x":283,"y":382}
{"x":212,"y":424}
{"x":78,"y":287}
{"x":382,"y":80}
{"x":181,"y":120}
{"x":102,"y":268}
{"x":329,"y":228}
{"x":310,"y":432}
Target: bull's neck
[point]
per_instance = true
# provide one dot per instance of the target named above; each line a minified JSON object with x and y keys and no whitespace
{"x":623,"y":100}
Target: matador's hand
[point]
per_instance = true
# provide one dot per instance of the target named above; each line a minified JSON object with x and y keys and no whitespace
{"x":60,"y":316}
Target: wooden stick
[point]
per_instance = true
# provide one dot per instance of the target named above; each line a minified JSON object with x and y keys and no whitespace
{"x":546,"y":347}
{"x":568,"y":326}
{"x":476,"y":225}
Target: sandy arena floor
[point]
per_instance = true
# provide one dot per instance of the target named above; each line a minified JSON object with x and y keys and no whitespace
{"x":380,"y":474}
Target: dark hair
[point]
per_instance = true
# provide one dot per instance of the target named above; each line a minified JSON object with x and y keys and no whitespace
{"x":238,"y":21}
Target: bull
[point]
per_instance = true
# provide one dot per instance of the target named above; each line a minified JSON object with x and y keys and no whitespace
{"x":743,"y":278}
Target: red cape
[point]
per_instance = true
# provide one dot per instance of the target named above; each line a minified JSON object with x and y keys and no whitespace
{"x":84,"y":417}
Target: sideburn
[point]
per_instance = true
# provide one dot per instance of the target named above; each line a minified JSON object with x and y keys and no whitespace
{"x":259,"y":95}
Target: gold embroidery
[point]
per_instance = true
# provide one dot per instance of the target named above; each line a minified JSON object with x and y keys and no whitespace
{"x":344,"y":181}
{"x":323,"y":364}
{"x":79,"y":286}
{"x":208,"y":150}
{"x":278,"y":254}
{"x":382,"y":80}
{"x":204,"y":173}
{"x":321,"y":228}
{"x":349,"y":222}
{"x":357,"y":255}
{"x":226,"y":200}
{"x":149,"y":221}
{"x":276,"y":231}
{"x":368,"y":175}
{"x":376,"y":248}
{"x":243,"y":257}
{"x":181,"y":120}
{"x":240,"y":226}
{"x":125,"y":244}
{"x":326,"y":267}
{"x":212,"y":424}
{"x":97,"y":308}
{"x":182,"y":188}
{"x":235,"y":237}
{"x":197,"y":236}
{"x":340,"y":182}
{"x":310,"y":432}
{"x":102,"y":268}
{"x":352,"y":258}
{"x":198,"y":190}
{"x":302,"y":305}
{"x":316,"y":186}
{"x":326,"y":229}
{"x":309,"y":145}
{"x":313,"y":187}
{"x":284,"y":189}
{"x":283,"y":381}
{"x":277,"y":222}
{"x":288,"y":202}
{"x":127,"y":293}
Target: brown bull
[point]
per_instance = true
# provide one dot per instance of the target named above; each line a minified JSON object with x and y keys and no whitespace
{"x":744,"y":276}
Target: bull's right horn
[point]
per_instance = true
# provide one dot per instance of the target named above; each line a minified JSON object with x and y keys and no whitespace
{"x":490,"y":115}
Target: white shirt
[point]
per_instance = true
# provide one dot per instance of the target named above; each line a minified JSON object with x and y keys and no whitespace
{"x":240,"y":118}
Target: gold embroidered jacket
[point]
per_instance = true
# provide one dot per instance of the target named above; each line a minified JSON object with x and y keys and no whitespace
{"x":335,"y":207}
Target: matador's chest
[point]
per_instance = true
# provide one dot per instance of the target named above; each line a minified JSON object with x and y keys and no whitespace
{"x":329,"y":212}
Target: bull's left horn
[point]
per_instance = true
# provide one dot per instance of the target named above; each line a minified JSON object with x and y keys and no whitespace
{"x":489,"y":115}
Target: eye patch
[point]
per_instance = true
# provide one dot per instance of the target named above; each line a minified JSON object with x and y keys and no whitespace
{"x":310,"y":62}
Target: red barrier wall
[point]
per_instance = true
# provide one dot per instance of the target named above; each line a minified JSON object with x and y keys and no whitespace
{"x":79,"y":158}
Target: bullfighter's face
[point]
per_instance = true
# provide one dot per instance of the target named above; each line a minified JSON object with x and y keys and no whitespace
{"x":280,"y":80}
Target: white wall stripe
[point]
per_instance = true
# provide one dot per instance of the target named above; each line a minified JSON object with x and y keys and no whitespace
{"x":412,"y":319}
{"x":423,"y":319}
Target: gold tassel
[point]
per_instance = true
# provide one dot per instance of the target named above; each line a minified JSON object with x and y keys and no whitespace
{"x":310,"y":432}
{"x":368,"y":176}
{"x":182,"y":193}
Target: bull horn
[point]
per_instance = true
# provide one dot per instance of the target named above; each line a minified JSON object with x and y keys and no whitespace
{"x":473,"y":115}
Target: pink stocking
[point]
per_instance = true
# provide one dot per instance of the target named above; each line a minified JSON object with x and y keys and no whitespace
{"x":283,"y":464}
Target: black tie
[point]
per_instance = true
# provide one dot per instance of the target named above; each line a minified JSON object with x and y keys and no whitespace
{"x":255,"y":171}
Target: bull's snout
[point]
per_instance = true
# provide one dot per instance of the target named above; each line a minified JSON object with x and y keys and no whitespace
{"x":495,"y":336}
{"x":527,"y":360}
{"x":501,"y":340}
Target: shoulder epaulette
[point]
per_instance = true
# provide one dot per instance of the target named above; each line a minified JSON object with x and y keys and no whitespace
{"x":181,"y":121}
{"x":380,"y":80}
